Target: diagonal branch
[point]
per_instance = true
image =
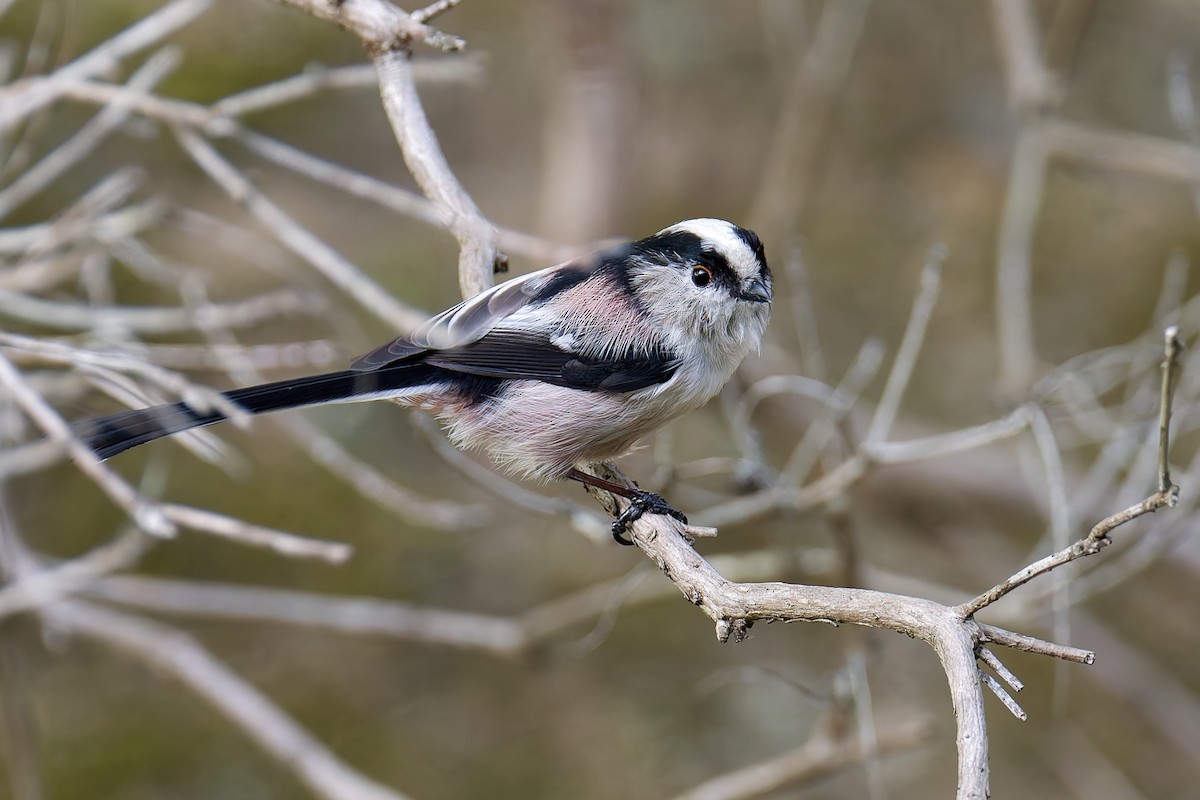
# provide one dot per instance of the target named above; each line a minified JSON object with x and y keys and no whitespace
{"x":1097,"y":539}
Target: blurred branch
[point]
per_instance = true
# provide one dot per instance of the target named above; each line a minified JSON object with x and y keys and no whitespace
{"x":297,"y":238}
{"x":79,"y":146}
{"x":1031,"y":86}
{"x":910,"y":346}
{"x":313,"y":81}
{"x":22,"y":98}
{"x":806,"y":111}
{"x":501,"y":636}
{"x":165,"y":319}
{"x":1014,"y":310}
{"x":19,"y":739}
{"x":1138,"y":153}
{"x":173,"y":653}
{"x":818,"y":758}
{"x":161,"y":520}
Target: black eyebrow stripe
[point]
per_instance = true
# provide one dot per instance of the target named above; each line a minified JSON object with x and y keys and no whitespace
{"x":679,"y":246}
{"x":687,"y":250}
{"x":755,"y":244}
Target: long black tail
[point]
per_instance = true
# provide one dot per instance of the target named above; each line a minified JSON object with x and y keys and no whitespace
{"x":117,"y":433}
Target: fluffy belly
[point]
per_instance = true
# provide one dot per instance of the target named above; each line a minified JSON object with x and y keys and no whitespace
{"x":540,"y":431}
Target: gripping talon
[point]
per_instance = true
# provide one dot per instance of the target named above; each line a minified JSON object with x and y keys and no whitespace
{"x":642,"y":503}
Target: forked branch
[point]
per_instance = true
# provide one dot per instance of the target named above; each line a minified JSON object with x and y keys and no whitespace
{"x":1097,"y":539}
{"x":951,"y":631}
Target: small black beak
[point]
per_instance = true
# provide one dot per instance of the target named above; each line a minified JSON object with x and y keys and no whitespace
{"x":756,"y":291}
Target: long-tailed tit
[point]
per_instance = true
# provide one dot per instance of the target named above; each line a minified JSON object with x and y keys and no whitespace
{"x":563,"y":367}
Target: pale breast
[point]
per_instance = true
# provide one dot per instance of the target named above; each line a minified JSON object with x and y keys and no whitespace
{"x":539,"y":431}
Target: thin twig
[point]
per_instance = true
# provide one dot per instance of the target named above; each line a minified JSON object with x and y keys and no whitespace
{"x":237,"y":530}
{"x":817,"y":758}
{"x":1006,"y":675}
{"x":910,"y":347}
{"x":22,"y":99}
{"x":1014,"y":312}
{"x":1003,"y":696}
{"x":79,"y":146}
{"x":464,"y":69}
{"x":1094,"y":542}
{"x":423,"y":15}
{"x":1031,"y":86}
{"x":146,"y":515}
{"x":1170,"y":376}
{"x":164,"y":319}
{"x":173,"y":653}
{"x":1097,"y":539}
{"x":1030,"y":644}
{"x":298,"y":239}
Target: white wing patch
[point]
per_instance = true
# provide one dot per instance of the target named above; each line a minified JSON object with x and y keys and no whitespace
{"x":469,"y":321}
{"x":473,"y":319}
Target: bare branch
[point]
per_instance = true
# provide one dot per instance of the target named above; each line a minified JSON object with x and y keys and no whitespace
{"x":910,"y":346}
{"x":298,"y":239}
{"x":478,"y":257}
{"x":287,"y":544}
{"x":368,"y":616}
{"x":1097,"y":539}
{"x":165,"y":319}
{"x":23,"y":98}
{"x":178,"y":655}
{"x":735,"y":607}
{"x":1003,"y":696}
{"x":66,"y":155}
{"x":1031,"y":86}
{"x":462,"y":69}
{"x":819,"y":757}
{"x":1029,"y":644}
{"x":1006,"y":675}
{"x":945,"y":444}
{"x":1014,"y":313}
{"x":1119,"y":150}
{"x":1170,"y":377}
{"x":37,"y":589}
{"x":812,"y":357}
{"x":379,"y":24}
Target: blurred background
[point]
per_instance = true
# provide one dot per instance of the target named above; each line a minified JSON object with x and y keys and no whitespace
{"x":853,"y":137}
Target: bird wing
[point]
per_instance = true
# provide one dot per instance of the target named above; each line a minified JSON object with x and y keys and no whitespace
{"x":490,"y":336}
{"x":472,"y":319}
{"x":528,"y":355}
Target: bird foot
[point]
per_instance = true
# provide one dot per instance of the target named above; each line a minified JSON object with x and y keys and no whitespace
{"x":642,"y":503}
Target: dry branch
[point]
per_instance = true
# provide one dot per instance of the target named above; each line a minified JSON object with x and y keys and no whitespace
{"x":817,"y":758}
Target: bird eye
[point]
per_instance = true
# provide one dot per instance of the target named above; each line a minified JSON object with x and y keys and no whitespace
{"x":701,"y":276}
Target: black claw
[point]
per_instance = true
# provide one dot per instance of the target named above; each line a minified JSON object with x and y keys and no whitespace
{"x":642,"y":503}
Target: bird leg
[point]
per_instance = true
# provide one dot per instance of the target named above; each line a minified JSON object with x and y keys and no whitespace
{"x":640,"y":502}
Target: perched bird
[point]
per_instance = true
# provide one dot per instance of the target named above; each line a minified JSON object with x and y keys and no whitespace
{"x":563,"y":367}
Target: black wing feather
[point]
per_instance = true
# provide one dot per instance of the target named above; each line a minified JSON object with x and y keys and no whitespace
{"x":525,"y":356}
